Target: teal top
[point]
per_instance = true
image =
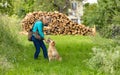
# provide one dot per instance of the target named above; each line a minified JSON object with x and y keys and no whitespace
{"x":38,"y":25}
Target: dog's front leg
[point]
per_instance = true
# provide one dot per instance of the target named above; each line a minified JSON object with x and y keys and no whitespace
{"x":50,"y":58}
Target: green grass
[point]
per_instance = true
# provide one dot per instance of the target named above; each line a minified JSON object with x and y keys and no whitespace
{"x":73,"y":49}
{"x":16,"y":53}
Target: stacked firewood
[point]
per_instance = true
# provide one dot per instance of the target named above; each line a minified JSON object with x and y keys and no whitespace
{"x":60,"y":24}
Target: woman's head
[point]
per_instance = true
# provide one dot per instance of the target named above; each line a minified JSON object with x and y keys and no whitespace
{"x":46,"y":20}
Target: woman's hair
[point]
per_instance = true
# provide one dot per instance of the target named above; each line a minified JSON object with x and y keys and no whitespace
{"x":46,"y":18}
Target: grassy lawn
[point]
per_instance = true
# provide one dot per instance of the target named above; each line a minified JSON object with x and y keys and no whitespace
{"x":16,"y":53}
{"x":74,"y":51}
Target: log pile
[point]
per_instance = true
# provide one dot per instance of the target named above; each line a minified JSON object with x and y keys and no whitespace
{"x":60,"y":24}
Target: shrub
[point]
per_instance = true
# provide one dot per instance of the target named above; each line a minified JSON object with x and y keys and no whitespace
{"x":9,"y":27}
{"x":9,"y":40}
{"x":111,"y":31}
{"x":105,"y":57}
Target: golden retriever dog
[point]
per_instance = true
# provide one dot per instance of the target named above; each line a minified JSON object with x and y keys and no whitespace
{"x":52,"y":52}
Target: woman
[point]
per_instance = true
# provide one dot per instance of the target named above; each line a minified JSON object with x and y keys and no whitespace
{"x":39,"y":43}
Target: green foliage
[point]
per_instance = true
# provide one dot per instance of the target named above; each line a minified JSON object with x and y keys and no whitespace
{"x":7,"y":28}
{"x":104,"y":15}
{"x":5,"y":65}
{"x":105,"y":60}
{"x":108,"y":9}
{"x":24,"y":6}
{"x":8,"y":42}
{"x":89,"y":17}
{"x":44,"y":5}
{"x":6,"y":7}
{"x":111,"y":31}
{"x":105,"y":57}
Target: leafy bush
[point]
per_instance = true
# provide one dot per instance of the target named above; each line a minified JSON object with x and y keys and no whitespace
{"x":105,"y":57}
{"x":105,"y":15}
{"x":9,"y":44}
{"x":5,"y":64}
{"x":6,"y":7}
{"x":111,"y":31}
{"x":9,"y":29}
{"x":106,"y":60}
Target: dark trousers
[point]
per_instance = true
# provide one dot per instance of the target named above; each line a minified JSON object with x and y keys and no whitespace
{"x":39,"y":44}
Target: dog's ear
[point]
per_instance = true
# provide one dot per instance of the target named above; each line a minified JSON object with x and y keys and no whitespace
{"x":53,"y":43}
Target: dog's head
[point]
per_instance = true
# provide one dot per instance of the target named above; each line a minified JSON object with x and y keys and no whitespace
{"x":51,"y":42}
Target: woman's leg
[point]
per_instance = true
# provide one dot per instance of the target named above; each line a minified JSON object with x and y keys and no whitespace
{"x":42,"y":45}
{"x":37,"y":47}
